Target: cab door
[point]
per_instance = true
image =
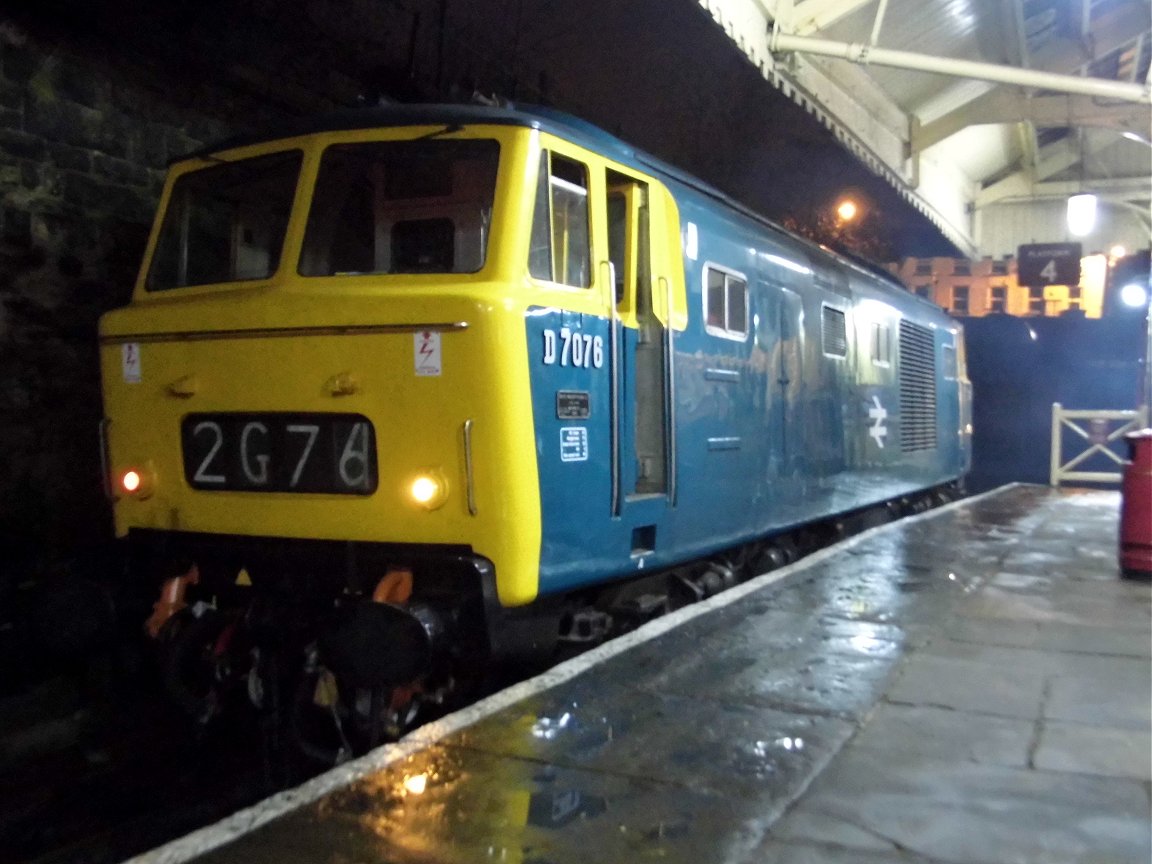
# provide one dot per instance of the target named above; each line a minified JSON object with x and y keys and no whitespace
{"x":607,"y":290}
{"x":789,"y":377}
{"x":641,"y":350}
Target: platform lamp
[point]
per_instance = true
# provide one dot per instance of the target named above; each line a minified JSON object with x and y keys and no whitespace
{"x":1081,"y":213}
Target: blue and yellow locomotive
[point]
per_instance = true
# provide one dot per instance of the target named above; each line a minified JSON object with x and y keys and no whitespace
{"x":405,"y":392}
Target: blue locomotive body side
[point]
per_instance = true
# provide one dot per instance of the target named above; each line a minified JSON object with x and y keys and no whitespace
{"x":842,"y":392}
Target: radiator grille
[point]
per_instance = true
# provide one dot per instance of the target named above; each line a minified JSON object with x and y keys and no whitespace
{"x":917,"y":388}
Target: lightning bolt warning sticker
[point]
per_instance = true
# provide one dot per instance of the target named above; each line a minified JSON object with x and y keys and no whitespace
{"x":427,"y":353}
{"x":130,"y":362}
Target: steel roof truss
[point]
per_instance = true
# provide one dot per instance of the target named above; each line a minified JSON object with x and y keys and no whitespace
{"x":1009,"y":106}
{"x":811,"y":16}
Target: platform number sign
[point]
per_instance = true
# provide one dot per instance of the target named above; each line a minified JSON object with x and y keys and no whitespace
{"x":1042,"y":264}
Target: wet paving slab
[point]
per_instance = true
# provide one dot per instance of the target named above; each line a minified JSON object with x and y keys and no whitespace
{"x":953,"y":810}
{"x":969,"y":687}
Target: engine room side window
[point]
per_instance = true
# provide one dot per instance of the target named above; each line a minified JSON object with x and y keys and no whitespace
{"x":725,"y":303}
{"x":560,"y":249}
{"x":226,"y":223}
{"x":835,"y":332}
{"x":881,"y":344}
{"x":383,"y":207}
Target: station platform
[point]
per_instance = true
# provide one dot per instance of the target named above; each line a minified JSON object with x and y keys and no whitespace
{"x":969,"y":686}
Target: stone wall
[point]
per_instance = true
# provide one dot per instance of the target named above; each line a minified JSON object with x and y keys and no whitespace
{"x":91,"y":111}
{"x":83,"y":144}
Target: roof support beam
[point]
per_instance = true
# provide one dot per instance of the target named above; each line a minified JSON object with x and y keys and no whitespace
{"x":1051,"y":161}
{"x":1017,"y":186}
{"x":810,"y":16}
{"x":878,"y":23}
{"x":1008,"y":106}
{"x":1047,"y":162}
{"x":858,"y":53}
{"x":1112,"y":31}
{"x":864,"y":54}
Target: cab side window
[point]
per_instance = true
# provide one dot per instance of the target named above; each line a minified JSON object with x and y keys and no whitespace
{"x":560,"y":244}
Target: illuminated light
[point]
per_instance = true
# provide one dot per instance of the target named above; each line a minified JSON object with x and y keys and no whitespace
{"x":137,"y":482}
{"x":1134,"y":295}
{"x":424,"y":489}
{"x":790,"y":744}
{"x":785,"y":262}
{"x":865,"y":644}
{"x":1117,"y":251}
{"x":847,"y":210}
{"x":428,"y":489}
{"x":416,"y":784}
{"x":548,"y":728}
{"x":1081,"y":214}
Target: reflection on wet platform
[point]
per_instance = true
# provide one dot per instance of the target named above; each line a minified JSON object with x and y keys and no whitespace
{"x":971,"y":685}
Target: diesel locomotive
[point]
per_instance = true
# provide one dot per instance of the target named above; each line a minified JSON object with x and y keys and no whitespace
{"x":406,"y":393}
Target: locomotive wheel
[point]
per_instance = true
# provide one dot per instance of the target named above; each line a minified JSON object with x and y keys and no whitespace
{"x":317,"y":717}
{"x":331,"y":723}
{"x":195,"y":665}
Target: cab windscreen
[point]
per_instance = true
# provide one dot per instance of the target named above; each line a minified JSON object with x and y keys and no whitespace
{"x":420,"y":206}
{"x":225,"y":223}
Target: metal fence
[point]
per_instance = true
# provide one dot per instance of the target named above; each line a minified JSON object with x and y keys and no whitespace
{"x":1094,"y":428}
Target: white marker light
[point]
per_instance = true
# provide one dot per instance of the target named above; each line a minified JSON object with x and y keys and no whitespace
{"x":1134,"y":295}
{"x":130,"y":482}
{"x":428,"y":489}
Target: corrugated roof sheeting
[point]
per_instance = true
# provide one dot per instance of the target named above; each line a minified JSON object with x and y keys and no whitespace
{"x":940,"y":28}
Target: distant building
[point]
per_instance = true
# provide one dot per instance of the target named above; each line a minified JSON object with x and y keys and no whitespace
{"x":974,"y":288}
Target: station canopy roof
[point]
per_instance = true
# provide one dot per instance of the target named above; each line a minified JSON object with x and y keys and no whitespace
{"x":986,"y":114}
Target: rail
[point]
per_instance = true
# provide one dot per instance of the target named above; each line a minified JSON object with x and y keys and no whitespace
{"x":1099,"y":439}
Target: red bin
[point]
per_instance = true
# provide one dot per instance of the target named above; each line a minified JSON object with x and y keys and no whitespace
{"x":1136,"y":507}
